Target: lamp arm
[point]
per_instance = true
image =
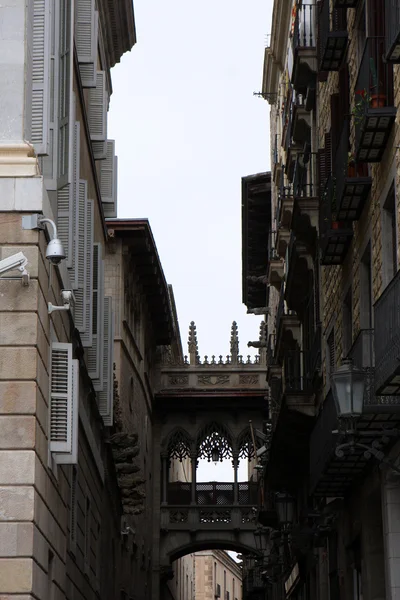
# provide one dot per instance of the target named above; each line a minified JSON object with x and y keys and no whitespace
{"x":368,"y":452}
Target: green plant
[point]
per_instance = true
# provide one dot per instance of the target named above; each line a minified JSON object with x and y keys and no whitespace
{"x":360,"y":106}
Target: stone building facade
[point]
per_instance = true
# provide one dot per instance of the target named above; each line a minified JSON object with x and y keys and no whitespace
{"x":331,"y":78}
{"x":65,"y":454}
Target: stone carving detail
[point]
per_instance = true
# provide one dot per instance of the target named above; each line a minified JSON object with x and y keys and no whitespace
{"x":178,"y":516}
{"x":215,"y":516}
{"x":193,"y":345}
{"x":248,"y":379}
{"x":245,"y":444}
{"x":179,"y":445}
{"x":214,"y":437}
{"x":125,"y":448}
{"x":249,"y":516}
{"x":178,"y":379}
{"x":234,"y":342}
{"x":213,"y":379}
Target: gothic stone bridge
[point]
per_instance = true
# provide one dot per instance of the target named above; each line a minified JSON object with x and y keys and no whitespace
{"x":203,"y":410}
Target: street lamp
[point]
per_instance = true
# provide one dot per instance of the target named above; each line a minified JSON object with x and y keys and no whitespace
{"x":285,"y":508}
{"x":215,"y":455}
{"x":348,"y":386}
{"x":261,"y":536}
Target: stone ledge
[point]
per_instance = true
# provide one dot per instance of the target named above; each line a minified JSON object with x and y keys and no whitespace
{"x":18,"y":160}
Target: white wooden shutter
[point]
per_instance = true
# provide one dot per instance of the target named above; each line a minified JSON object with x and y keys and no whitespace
{"x":99,"y":150}
{"x":80,"y":259}
{"x":95,"y":352}
{"x":66,"y":117}
{"x":65,"y":217}
{"x":71,"y":457}
{"x":108,"y":181}
{"x":86,"y":333}
{"x":40,"y":75}
{"x":76,"y":208}
{"x":86,"y":40}
{"x":49,"y":163}
{"x":61,"y":398}
{"x":105,"y":396}
{"x":97,"y":110}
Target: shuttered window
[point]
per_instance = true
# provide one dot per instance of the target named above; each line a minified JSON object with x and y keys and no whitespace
{"x":99,"y":150}
{"x":86,"y":40}
{"x":108,"y":181}
{"x":95,"y":351}
{"x":64,"y":390}
{"x":66,"y":117}
{"x":67,"y":207}
{"x":40,"y":98}
{"x":105,"y":396}
{"x":86,"y":331}
{"x":97,"y":108}
{"x":80,"y":258}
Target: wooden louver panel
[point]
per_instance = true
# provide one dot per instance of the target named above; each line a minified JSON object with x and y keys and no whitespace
{"x":86,"y":333}
{"x":61,"y":398}
{"x":40,"y":76}
{"x":108,"y":181}
{"x":105,"y":396}
{"x":95,"y":351}
{"x":97,"y":111}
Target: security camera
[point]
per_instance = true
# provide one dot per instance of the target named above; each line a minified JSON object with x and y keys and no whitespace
{"x":54,"y":251}
{"x":16,"y":261}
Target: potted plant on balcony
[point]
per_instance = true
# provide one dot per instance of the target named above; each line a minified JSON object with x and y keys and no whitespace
{"x":362,"y":102}
{"x":378,"y":99}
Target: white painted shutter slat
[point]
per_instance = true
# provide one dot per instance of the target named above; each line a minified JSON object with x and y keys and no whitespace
{"x":84,"y":29}
{"x":66,"y":108}
{"x":40,"y":76}
{"x":99,"y":150}
{"x":71,"y":458}
{"x":80,"y":261}
{"x":97,"y":111}
{"x":49,"y":163}
{"x":61,"y":398}
{"x":76,"y":208}
{"x":105,"y":396}
{"x":65,"y":217}
{"x":95,"y":352}
{"x":86,"y":334}
{"x":108,"y":181}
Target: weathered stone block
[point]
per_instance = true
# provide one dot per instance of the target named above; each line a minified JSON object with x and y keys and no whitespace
{"x":17,"y":432}
{"x":16,"y":539}
{"x":16,"y":504}
{"x":16,"y":575}
{"x":17,"y":397}
{"x":17,"y":363}
{"x":17,"y":467}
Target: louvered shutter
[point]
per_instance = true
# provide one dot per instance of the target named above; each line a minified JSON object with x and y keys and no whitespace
{"x":95,"y":352}
{"x":328,"y":154}
{"x":61,"y":398}
{"x":71,"y":457}
{"x":335,"y":124}
{"x":86,"y":333}
{"x":80,"y":259}
{"x":49,"y":163}
{"x":86,"y":40}
{"x":40,"y":76}
{"x":108,"y":181}
{"x":99,"y":150}
{"x":321,"y":171}
{"x":97,"y":110}
{"x":66,"y":116}
{"x":78,"y":216}
{"x":105,"y":396}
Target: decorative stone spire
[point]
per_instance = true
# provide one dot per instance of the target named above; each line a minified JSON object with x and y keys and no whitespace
{"x":192,"y":344}
{"x":263,"y":343}
{"x":234,"y":343}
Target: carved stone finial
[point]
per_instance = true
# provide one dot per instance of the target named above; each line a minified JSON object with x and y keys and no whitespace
{"x":263,"y":343}
{"x":234,"y":342}
{"x":192,"y":344}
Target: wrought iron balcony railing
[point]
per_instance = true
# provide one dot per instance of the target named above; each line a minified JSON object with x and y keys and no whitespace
{"x":304,"y":178}
{"x":373,"y":109}
{"x":295,"y":373}
{"x":387,"y":339}
{"x":304,"y":42}
{"x":352,"y":181}
{"x":335,"y":236}
{"x":392,"y":14}
{"x":212,"y":493}
{"x":332,"y":37}
{"x":253,"y":581}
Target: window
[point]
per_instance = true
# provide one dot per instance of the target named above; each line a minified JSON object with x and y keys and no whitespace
{"x":347,"y":311}
{"x":389,"y":238}
{"x":366,"y":289}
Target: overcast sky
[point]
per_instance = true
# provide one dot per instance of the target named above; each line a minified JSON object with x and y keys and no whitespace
{"x":187,"y":128}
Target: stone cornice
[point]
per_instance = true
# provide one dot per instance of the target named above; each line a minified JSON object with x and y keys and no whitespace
{"x":275,"y":55}
{"x":18,"y":160}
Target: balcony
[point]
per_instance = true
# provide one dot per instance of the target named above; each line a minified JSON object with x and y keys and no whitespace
{"x":297,"y":384}
{"x":373,"y":111}
{"x":299,"y":263}
{"x":285,"y":205}
{"x":287,"y":327}
{"x":304,"y":48}
{"x":306,"y":201}
{"x":332,"y":37}
{"x":277,"y":165}
{"x":282,"y":240}
{"x":392,"y":12}
{"x":352,"y":181}
{"x":387,"y":339}
{"x":301,"y":122}
{"x":335,"y":236}
{"x":330,"y":475}
{"x":276,"y":269}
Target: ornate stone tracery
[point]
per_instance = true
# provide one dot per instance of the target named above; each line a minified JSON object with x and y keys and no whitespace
{"x":245,"y":445}
{"x":179,"y":445}
{"x":214,"y":437}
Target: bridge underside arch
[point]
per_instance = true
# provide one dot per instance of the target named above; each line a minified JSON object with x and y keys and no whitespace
{"x":178,"y":544}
